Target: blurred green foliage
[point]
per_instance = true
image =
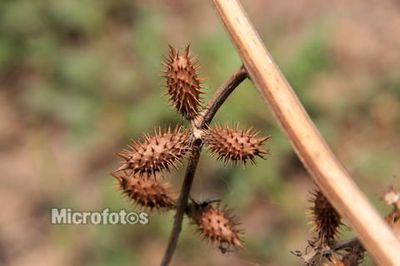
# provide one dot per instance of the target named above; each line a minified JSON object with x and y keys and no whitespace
{"x":85,"y":76}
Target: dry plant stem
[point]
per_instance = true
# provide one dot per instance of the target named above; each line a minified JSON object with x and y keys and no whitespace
{"x":332,"y":178}
{"x":182,"y":204}
{"x":346,"y":244}
{"x":219,"y":98}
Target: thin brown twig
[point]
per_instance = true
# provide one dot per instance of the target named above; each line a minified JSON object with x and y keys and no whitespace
{"x":221,"y":95}
{"x":182,"y":203}
{"x":215,"y":103}
{"x":351,"y":243}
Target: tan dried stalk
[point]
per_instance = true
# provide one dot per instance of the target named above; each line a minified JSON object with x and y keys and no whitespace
{"x":331,"y":177}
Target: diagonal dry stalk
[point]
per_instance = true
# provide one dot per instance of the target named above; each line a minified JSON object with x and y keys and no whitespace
{"x":332,"y":178}
{"x":201,"y":123}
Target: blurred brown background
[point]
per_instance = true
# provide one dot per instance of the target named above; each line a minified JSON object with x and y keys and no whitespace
{"x":78,"y":79}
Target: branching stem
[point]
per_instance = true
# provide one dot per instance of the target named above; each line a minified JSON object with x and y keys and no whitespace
{"x":221,"y":95}
{"x":204,"y":119}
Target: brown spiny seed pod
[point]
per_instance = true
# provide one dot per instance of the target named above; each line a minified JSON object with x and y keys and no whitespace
{"x":182,"y":82}
{"x":324,"y":218}
{"x":155,"y":153}
{"x":217,"y":225}
{"x":235,"y":145}
{"x":147,"y":193}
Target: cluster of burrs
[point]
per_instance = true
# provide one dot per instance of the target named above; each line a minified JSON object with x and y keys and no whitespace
{"x":145,"y":162}
{"x":324,"y":248}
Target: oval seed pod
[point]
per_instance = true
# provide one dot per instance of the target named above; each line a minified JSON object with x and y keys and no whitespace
{"x":148,"y":193}
{"x":325,"y":220}
{"x":182,"y":82}
{"x":155,"y":153}
{"x":235,"y":145}
{"x":217,"y":225}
